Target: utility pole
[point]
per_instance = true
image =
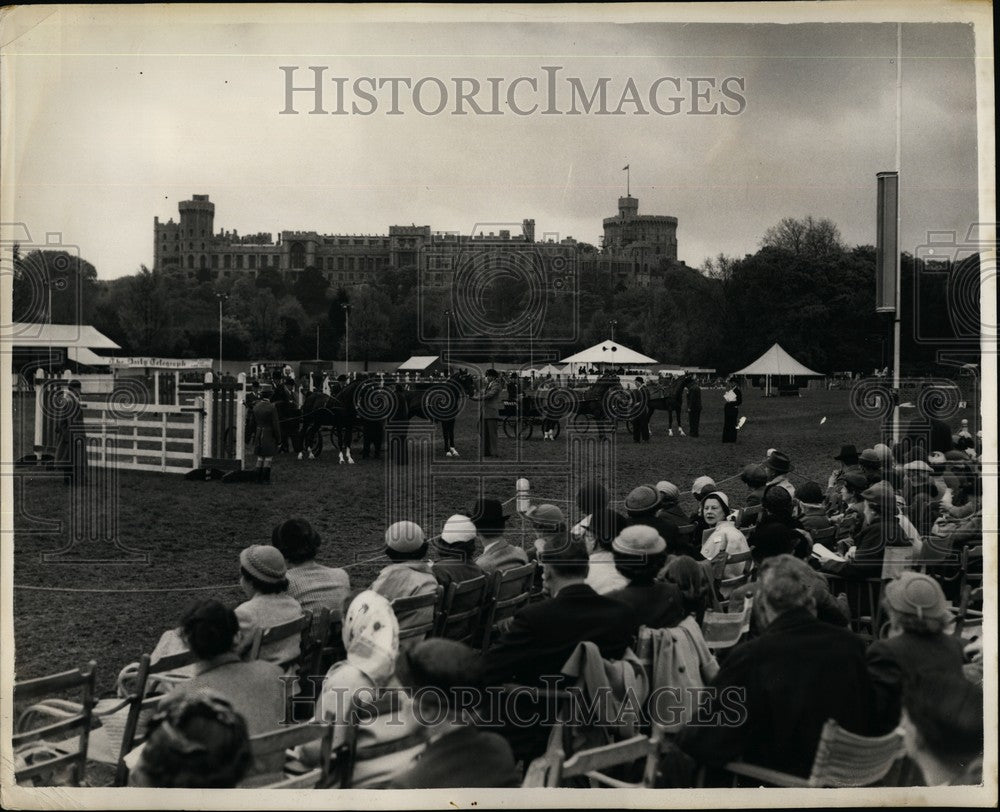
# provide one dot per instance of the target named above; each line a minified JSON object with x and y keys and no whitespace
{"x":221,"y":297}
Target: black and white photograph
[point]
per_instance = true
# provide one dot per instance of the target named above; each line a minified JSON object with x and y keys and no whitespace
{"x":513,"y":406}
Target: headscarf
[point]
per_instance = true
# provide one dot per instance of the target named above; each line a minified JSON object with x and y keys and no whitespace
{"x":371,"y":636}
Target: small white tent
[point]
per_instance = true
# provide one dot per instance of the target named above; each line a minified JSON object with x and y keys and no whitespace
{"x":776,"y":362}
{"x":609,"y":352}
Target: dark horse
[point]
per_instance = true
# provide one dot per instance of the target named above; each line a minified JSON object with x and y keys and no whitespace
{"x":669,"y":399}
{"x":338,"y":410}
{"x":440,"y":401}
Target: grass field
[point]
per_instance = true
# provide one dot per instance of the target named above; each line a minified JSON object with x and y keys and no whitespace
{"x":193,"y":531}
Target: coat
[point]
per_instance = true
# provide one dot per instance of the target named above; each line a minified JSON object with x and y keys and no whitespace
{"x":462,"y":757}
{"x":891,"y":661}
{"x":656,"y":605}
{"x":694,"y":398}
{"x":500,"y":555}
{"x":490,"y":399}
{"x":544,"y":634}
{"x":774,"y":694}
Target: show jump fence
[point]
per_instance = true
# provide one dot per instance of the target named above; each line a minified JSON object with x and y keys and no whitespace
{"x":201,"y":435}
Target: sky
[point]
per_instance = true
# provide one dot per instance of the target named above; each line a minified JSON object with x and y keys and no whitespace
{"x":113,"y":116}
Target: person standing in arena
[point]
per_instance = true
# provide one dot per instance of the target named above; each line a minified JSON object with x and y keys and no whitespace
{"x":732,"y":398}
{"x":490,"y":398}
{"x":694,"y":407}
{"x":268,"y":437}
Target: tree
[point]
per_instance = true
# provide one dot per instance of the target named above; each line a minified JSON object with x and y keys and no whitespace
{"x":144,"y":314}
{"x":60,"y":278}
{"x":369,"y":324}
{"x":310,"y":289}
{"x":270,"y":278}
{"x":813,"y":238}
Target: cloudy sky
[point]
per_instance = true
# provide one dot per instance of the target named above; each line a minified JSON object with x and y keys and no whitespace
{"x":111,"y":118}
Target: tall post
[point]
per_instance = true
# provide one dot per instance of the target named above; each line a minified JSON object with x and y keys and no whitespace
{"x":221,"y":297}
{"x":896,"y":327}
{"x":317,"y":342}
{"x":447,"y":351}
{"x":347,"y":336}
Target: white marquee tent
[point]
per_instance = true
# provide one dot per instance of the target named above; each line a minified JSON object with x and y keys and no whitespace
{"x":609,"y":352}
{"x":776,"y":362}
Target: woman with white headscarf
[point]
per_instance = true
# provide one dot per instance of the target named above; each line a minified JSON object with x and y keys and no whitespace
{"x":371,"y":639}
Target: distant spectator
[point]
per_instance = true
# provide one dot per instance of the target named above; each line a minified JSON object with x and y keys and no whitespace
{"x":264,"y":582}
{"x":881,"y":530}
{"x":457,"y":753}
{"x":692,"y":582}
{"x":793,"y":677}
{"x":498,"y":554}
{"x":917,"y":643}
{"x":778,"y":466}
{"x":670,"y":508}
{"x":195,"y":741}
{"x":942,"y":723}
{"x":778,"y":532}
{"x":812,"y":511}
{"x":642,"y":506}
{"x":313,"y":585}
{"x":871,"y":465}
{"x":850,"y":520}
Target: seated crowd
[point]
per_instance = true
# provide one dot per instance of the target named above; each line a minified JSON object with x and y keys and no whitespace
{"x":621,"y":599}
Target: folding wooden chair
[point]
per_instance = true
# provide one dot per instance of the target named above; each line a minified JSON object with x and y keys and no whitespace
{"x":48,"y":760}
{"x":413,"y":623}
{"x":864,"y":599}
{"x":596,"y":761}
{"x":271,"y":746}
{"x":685,"y":534}
{"x":843,"y":759}
{"x":826,"y":537}
{"x":510,"y":591}
{"x":299,"y":627}
{"x":723,"y":630}
{"x":462,"y":611}
{"x":138,"y":703}
{"x":896,"y":560}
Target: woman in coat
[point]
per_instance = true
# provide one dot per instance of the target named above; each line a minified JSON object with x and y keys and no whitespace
{"x":732,"y":398}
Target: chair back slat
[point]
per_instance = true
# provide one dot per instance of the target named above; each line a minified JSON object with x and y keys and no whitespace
{"x":406,"y":608}
{"x":299,"y":627}
{"x":510,"y":591}
{"x":593,"y":761}
{"x":462,"y":610}
{"x":845,"y":759}
{"x":270,"y":747}
{"x":82,"y":679}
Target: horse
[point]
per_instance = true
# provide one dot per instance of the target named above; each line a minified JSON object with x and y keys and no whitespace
{"x":440,"y":401}
{"x":337,"y":410}
{"x":289,"y":416}
{"x":669,"y":398}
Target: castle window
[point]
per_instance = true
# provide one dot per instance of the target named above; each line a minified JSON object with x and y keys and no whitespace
{"x":190,"y":262}
{"x":202,"y":262}
{"x":190,"y":246}
{"x":215,"y":260}
{"x":298,"y":252}
{"x":227,"y":261}
{"x":239,"y":262}
{"x":252,"y":261}
{"x":329,"y":265}
{"x":340,"y":265}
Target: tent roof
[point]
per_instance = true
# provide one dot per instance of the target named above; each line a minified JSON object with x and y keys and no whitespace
{"x":57,"y":335}
{"x":550,"y":369}
{"x":417,"y":363}
{"x":82,"y":355}
{"x":609,"y":352}
{"x":776,"y":362}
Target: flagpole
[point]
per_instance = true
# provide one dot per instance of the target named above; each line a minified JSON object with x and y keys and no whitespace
{"x":897,"y":315}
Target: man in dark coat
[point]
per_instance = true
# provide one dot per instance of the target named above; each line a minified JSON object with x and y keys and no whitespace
{"x":71,"y":449}
{"x":775,"y":692}
{"x":694,"y":407}
{"x":544,"y":634}
{"x":457,"y":753}
{"x":640,"y":423}
{"x":268,"y":438}
{"x":490,"y":419}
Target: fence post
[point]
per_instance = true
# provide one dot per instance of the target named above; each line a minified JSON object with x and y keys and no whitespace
{"x":207,"y":407}
{"x":199,"y":430}
{"x":39,"y":394}
{"x":241,"y":415}
{"x":156,"y":387}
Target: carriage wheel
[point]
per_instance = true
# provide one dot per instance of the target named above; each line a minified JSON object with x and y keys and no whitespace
{"x":526,"y":428}
{"x":510,"y":427}
{"x":314,"y":442}
{"x":556,"y":428}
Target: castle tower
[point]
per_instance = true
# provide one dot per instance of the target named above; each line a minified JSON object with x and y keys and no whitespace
{"x":628,"y":206}
{"x":197,"y":217}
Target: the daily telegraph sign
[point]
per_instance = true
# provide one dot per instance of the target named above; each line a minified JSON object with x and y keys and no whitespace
{"x":161,"y":363}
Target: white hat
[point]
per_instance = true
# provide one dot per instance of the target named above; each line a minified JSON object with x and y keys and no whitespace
{"x":458,"y":530}
{"x":404,"y":537}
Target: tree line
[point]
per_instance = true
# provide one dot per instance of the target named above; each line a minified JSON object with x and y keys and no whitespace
{"x":803,"y":288}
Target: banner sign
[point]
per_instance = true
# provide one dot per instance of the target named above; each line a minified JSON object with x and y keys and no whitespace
{"x":887,"y":239}
{"x":160,"y":363}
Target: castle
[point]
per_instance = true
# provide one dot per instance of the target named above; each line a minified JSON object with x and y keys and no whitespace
{"x":636,"y":249}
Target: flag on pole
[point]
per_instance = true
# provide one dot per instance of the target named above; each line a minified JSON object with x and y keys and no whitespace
{"x":625,"y":168}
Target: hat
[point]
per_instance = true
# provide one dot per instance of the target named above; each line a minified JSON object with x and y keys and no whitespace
{"x":698,"y":488}
{"x":591,"y":496}
{"x":918,"y":465}
{"x":443,"y":664}
{"x":639,"y":539}
{"x":870,"y":456}
{"x":848,"y":453}
{"x":955,"y":456}
{"x":492,"y":373}
{"x":720,"y":496}
{"x":545,"y":516}
{"x":936,"y":458}
{"x":777,"y":500}
{"x":264,"y":562}
{"x":404,"y":537}
{"x":643,"y":499}
{"x":914,"y":593}
{"x":754,"y":475}
{"x":779,"y":462}
{"x":458,"y":530}
{"x":883,"y":451}
{"x":809,"y":494}
{"x":487,"y":514}
{"x":671,"y":493}
{"x":880,"y":493}
{"x":855,"y":480}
